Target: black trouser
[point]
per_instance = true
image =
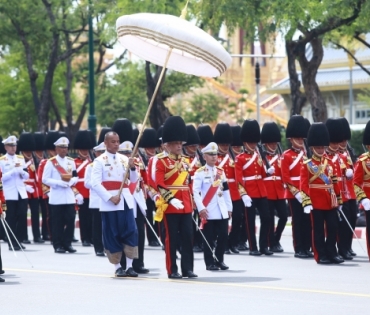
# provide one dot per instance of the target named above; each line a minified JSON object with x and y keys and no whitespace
{"x":262,"y":205}
{"x":97,"y":234}
{"x":210,"y":229}
{"x":35,"y":217}
{"x":1,"y":262}
{"x":85,"y":217}
{"x":149,"y":214}
{"x":280,"y":207}
{"x":176,"y":224}
{"x":236,"y":222}
{"x":198,"y":240}
{"x":324,"y":220}
{"x":16,"y":217}
{"x":63,"y":224}
{"x":140,"y":224}
{"x":367,"y":215}
{"x":243,"y":237}
{"x":345,"y":234}
{"x":353,"y":211}
{"x":45,"y":228}
{"x":301,"y":226}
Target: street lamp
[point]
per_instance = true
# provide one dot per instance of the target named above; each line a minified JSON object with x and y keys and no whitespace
{"x":92,"y":118}
{"x":258,"y":90}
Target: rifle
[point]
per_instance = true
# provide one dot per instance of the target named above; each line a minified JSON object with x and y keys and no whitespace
{"x":262,"y":153}
{"x":143,"y":157}
{"x":351,"y":152}
{"x":309,"y":154}
{"x":201,"y":158}
{"x":280,"y":150}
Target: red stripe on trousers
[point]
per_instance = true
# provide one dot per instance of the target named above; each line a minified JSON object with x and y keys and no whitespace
{"x":167,"y":248}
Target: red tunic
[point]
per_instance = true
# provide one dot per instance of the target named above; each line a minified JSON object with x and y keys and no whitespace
{"x":167,"y":171}
{"x":32,"y":180}
{"x":361,"y":179}
{"x":194,"y":164}
{"x":338,"y":168}
{"x":250,"y":178}
{"x":80,"y":186}
{"x":43,"y":189}
{"x":274,"y":184}
{"x":290,"y":173}
{"x":229,"y":170}
{"x":348,"y":183}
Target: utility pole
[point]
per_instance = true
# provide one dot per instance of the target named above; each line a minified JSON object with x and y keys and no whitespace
{"x":258,"y":90}
{"x":92,"y":118}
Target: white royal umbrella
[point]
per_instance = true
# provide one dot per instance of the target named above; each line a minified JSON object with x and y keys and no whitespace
{"x":171,"y":42}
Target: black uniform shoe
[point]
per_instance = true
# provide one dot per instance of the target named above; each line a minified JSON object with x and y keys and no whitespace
{"x":175,"y":275}
{"x":212,"y":268}
{"x":346,"y":256}
{"x":74,"y":240}
{"x":39,"y":240}
{"x":141,"y":270}
{"x":154,"y":243}
{"x":222,"y":265}
{"x":86,"y":243}
{"x":23,"y":247}
{"x":324,"y":261}
{"x":46,"y":238}
{"x":70,"y":249}
{"x":266,"y":251}
{"x":310,"y":254}
{"x":227,"y":251}
{"x":60,"y":250}
{"x":2,"y":272}
{"x":130,"y":272}
{"x":2,"y":280}
{"x":234,"y":250}
{"x":189,"y":274}
{"x":277,"y":249}
{"x":15,"y":248}
{"x":243,"y":247}
{"x":26,"y":242}
{"x":337,"y":260}
{"x":301,"y":254}
{"x":255,"y":253}
{"x":197,"y":249}
{"x":120,"y":273}
{"x":352,"y":252}
{"x":100,"y":254}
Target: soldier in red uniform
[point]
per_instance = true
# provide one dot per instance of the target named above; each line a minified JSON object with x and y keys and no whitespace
{"x":172,"y":181}
{"x":291,"y":162}
{"x":321,"y":196}
{"x":362,"y":182}
{"x":270,"y":137}
{"x":249,"y":172}
{"x":2,"y":217}
{"x":82,"y":145}
{"x":192,"y":158}
{"x":205,"y":134}
{"x":26,"y":145}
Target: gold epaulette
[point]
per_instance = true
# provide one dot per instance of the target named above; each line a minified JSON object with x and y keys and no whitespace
{"x":54,"y":157}
{"x":307,"y":161}
{"x":2,"y":157}
{"x":161,"y":155}
{"x":363,"y":157}
{"x":220,"y":168}
{"x":200,"y":169}
{"x":68,"y":157}
{"x":20,"y":156}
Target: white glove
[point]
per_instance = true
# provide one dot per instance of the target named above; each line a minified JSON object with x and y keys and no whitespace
{"x":79,"y":199}
{"x":307,"y":209}
{"x":177,"y":203}
{"x":247,"y":200}
{"x":271,"y":170}
{"x":298,"y":197}
{"x":366,"y":204}
{"x":62,"y":183}
{"x":20,"y":170}
{"x":72,"y":181}
{"x":30,"y":189}
{"x":349,"y":173}
{"x":3,"y":215}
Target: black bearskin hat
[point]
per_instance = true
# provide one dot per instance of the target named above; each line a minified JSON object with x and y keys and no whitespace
{"x":159,"y":135}
{"x":236,"y":130}
{"x":92,"y":138}
{"x":135,"y":135}
{"x":103,"y":131}
{"x":174,"y":129}
{"x":83,"y":140}
{"x":39,"y":138}
{"x":205,"y":134}
{"x":318,"y":135}
{"x":50,"y":138}
{"x":250,"y":131}
{"x":223,"y":134}
{"x":345,"y":129}
{"x":296,"y":127}
{"x":308,"y":125}
{"x":149,"y":138}
{"x":123,"y":128}
{"x":26,"y":142}
{"x":270,"y":133}
{"x":366,"y":137}
{"x":193,"y":137}
{"x":335,"y":130}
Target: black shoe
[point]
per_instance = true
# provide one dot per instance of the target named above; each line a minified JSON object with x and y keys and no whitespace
{"x":86,"y":243}
{"x":46,"y":238}
{"x":2,"y":272}
{"x":15,"y":248}
{"x":130,"y":272}
{"x":243,"y":247}
{"x":70,"y":249}
{"x":120,"y":273}
{"x":222,"y":265}
{"x":23,"y":247}
{"x":310,"y":254}
{"x":301,"y":254}
{"x":175,"y":275}
{"x":346,"y":256}
{"x":141,"y":270}
{"x":74,"y":240}
{"x":277,"y":248}
{"x":352,"y":252}
{"x":266,"y":251}
{"x":324,"y":261}
{"x":234,"y":250}
{"x":197,"y":249}
{"x":60,"y":250}
{"x":154,"y":243}
{"x":2,"y":280}
{"x":337,"y":260}
{"x":100,"y":253}
{"x":227,"y":252}
{"x":26,"y":242}
{"x":189,"y":274}
{"x":255,"y":253}
{"x":39,"y":240}
{"x":212,"y":268}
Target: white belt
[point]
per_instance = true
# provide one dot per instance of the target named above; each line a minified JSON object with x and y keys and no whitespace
{"x":81,"y":180}
{"x":231,"y":180}
{"x":272,"y":178}
{"x":252,"y":177}
{"x":296,"y":178}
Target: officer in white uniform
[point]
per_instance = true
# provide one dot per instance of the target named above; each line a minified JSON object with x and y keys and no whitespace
{"x":14,"y":172}
{"x":94,"y":201}
{"x":61,"y":176}
{"x":118,"y":222}
{"x":213,"y":201}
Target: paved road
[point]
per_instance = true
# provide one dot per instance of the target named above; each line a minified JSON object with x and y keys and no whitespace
{"x":82,"y":283}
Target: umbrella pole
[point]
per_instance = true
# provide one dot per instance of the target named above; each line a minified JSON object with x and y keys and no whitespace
{"x":147,"y":115}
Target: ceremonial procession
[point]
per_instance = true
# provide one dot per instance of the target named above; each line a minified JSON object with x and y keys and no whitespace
{"x":176,"y":157}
